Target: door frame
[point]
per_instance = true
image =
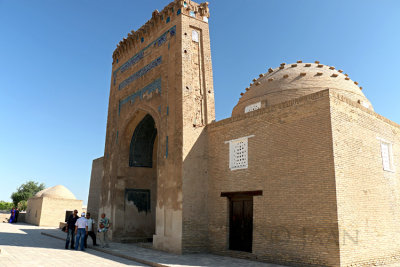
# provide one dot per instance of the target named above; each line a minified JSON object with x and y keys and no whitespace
{"x":238,"y":196}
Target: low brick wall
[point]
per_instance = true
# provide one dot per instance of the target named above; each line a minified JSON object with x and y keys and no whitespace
{"x":5,"y":216}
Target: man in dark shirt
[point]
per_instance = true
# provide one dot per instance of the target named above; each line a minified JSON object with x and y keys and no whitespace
{"x":70,"y":229}
{"x":16,"y":215}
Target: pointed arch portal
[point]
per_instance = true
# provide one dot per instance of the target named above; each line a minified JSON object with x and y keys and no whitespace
{"x":142,"y":143}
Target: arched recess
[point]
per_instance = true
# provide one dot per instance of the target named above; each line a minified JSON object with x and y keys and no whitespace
{"x":142,"y":143}
{"x":136,"y":198}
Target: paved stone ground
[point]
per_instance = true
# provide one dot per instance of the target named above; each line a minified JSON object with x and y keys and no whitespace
{"x":160,"y":258}
{"x":24,"y":245}
{"x":27,"y":245}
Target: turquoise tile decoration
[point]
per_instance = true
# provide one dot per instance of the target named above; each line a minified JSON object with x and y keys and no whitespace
{"x":141,"y":54}
{"x":140,"y":73}
{"x":154,"y":86}
{"x":172,"y":31}
{"x":142,"y":39}
{"x":192,"y":14}
{"x":178,"y":12}
{"x":132,"y":61}
{"x":161,"y":40}
{"x":168,"y":20}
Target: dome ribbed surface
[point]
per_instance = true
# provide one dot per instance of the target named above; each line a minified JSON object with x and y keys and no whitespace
{"x":290,"y":81}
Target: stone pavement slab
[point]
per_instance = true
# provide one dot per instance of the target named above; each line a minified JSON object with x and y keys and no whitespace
{"x":160,"y":258}
{"x":27,"y":245}
{"x":24,"y":245}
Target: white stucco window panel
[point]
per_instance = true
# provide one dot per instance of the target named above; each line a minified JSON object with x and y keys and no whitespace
{"x":387,"y":155}
{"x":365,"y":104}
{"x":252,"y":107}
{"x":238,"y":153}
{"x":195,"y":36}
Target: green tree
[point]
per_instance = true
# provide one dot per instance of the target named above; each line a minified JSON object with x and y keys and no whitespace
{"x":22,"y":205}
{"x":6,"y":205}
{"x":26,"y":191}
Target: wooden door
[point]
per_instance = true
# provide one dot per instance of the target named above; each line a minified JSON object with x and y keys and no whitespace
{"x":241,"y":224}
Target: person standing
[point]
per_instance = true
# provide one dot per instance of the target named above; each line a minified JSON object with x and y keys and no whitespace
{"x":90,"y":230}
{"x":81,"y":230}
{"x":16,"y":215}
{"x":70,"y":229}
{"x":104,"y":225}
{"x":12,"y":216}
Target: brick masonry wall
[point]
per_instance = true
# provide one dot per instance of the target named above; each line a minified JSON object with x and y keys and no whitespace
{"x":148,"y":77}
{"x":122,"y":121}
{"x":96,"y":178}
{"x":33,"y":211}
{"x":368,"y":196}
{"x":54,"y":210}
{"x":290,"y":159}
{"x":198,"y":111}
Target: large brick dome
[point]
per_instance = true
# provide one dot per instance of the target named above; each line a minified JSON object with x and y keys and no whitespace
{"x":290,"y":81}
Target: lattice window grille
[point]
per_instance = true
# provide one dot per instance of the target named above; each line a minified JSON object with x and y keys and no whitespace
{"x":387,"y":155}
{"x":252,"y":107}
{"x":238,"y":153}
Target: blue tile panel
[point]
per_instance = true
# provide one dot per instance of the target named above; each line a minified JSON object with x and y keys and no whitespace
{"x":132,"y":61}
{"x":140,"y":73}
{"x":136,"y":58}
{"x":152,"y":87}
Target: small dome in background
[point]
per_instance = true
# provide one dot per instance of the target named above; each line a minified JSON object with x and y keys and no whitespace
{"x":39,"y":194}
{"x":290,"y":81}
{"x":58,"y":191}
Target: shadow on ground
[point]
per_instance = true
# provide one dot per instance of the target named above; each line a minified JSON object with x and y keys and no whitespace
{"x":25,"y":235}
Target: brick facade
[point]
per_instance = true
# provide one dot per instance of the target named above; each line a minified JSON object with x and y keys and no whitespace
{"x":313,"y":169}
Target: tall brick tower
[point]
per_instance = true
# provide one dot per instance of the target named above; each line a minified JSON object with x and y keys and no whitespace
{"x":161,"y":98}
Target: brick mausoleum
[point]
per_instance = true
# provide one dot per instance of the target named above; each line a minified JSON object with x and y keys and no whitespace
{"x":303,"y":173}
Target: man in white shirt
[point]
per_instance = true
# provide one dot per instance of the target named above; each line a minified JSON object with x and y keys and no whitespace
{"x":90,"y":233}
{"x":81,"y":230}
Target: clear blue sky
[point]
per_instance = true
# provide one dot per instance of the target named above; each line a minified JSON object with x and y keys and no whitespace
{"x":55,"y":68}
